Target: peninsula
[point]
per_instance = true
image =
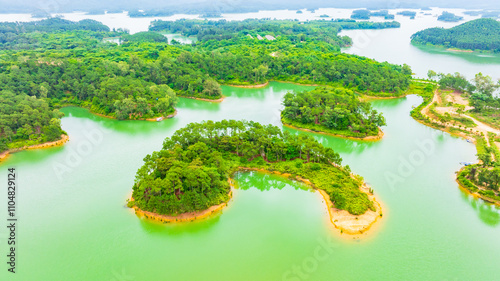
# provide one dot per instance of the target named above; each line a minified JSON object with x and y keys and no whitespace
{"x":191,"y":176}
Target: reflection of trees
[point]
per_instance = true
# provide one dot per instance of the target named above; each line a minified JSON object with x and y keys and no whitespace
{"x":340,"y":145}
{"x":487,"y":213}
{"x":264,"y":181}
{"x":470,"y":57}
{"x":32,"y":156}
{"x":181,"y":228}
{"x":131,"y":127}
{"x":274,"y":89}
{"x":192,"y":104}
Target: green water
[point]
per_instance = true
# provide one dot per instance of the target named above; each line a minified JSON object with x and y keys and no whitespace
{"x":73,"y":224}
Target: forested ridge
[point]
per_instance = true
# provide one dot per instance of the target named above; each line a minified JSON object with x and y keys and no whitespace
{"x":67,"y":63}
{"x":295,"y":31}
{"x":337,"y":111}
{"x":191,"y":171}
{"x":479,"y":34}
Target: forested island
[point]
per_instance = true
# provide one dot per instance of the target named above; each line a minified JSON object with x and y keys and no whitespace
{"x":334,"y":111}
{"x":449,"y":17}
{"x":480,"y":34}
{"x":60,"y":63}
{"x":191,"y":172}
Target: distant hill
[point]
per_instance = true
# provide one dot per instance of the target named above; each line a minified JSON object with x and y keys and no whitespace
{"x":480,"y":34}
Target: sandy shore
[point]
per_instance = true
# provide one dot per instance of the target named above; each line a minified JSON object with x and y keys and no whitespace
{"x":185,"y":217}
{"x":459,"y":51}
{"x":250,"y":86}
{"x":368,"y":138}
{"x":64,"y":138}
{"x":202,"y":99}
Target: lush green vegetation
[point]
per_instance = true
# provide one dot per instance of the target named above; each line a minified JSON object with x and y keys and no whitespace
{"x":145,"y":36}
{"x":426,"y":91}
{"x":482,"y":179}
{"x":191,"y":172}
{"x":336,"y":111}
{"x":67,"y":63}
{"x":480,"y":34}
{"x":53,"y":33}
{"x":294,"y":31}
{"x":26,"y":120}
{"x":450,"y":17}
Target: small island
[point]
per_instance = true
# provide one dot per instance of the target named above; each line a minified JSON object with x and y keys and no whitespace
{"x":190,"y":177}
{"x":336,"y":111}
{"x":480,"y":34}
{"x":449,"y":17}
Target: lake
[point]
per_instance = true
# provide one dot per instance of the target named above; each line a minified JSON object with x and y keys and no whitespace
{"x":74,"y":223}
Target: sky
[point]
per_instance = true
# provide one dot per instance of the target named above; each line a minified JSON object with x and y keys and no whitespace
{"x":55,"y":6}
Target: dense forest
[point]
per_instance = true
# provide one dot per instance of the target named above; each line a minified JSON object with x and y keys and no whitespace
{"x":42,"y":34}
{"x":336,"y":111}
{"x":479,"y":34}
{"x":67,"y":63}
{"x":26,"y":120}
{"x":191,"y":171}
{"x":294,"y":31}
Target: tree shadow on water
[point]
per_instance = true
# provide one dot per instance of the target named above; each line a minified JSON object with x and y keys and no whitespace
{"x":487,"y":213}
{"x":264,"y":181}
{"x":180,"y":228}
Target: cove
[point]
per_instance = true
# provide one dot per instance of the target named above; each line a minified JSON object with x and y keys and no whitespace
{"x":272,"y":227}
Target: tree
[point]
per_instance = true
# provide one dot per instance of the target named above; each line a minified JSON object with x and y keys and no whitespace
{"x":211,"y":88}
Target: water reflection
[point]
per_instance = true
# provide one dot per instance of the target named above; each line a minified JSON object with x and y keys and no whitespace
{"x":265,"y":181}
{"x":130,"y":127}
{"x":180,"y":228}
{"x":487,"y":213}
{"x":480,"y":58}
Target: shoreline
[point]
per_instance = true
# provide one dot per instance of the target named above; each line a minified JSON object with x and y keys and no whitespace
{"x":446,"y":128}
{"x":202,"y":99}
{"x":184,"y":217}
{"x":142,"y":119}
{"x":342,"y":220}
{"x":476,"y":194}
{"x":378,"y":137}
{"x":459,"y":50}
{"x":64,"y":139}
{"x":249,"y":86}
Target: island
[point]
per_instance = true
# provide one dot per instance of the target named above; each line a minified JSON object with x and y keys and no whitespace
{"x":480,"y":34}
{"x":190,"y":177}
{"x":364,"y":14}
{"x":337,"y":112}
{"x":466,"y":109}
{"x":449,"y":17}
